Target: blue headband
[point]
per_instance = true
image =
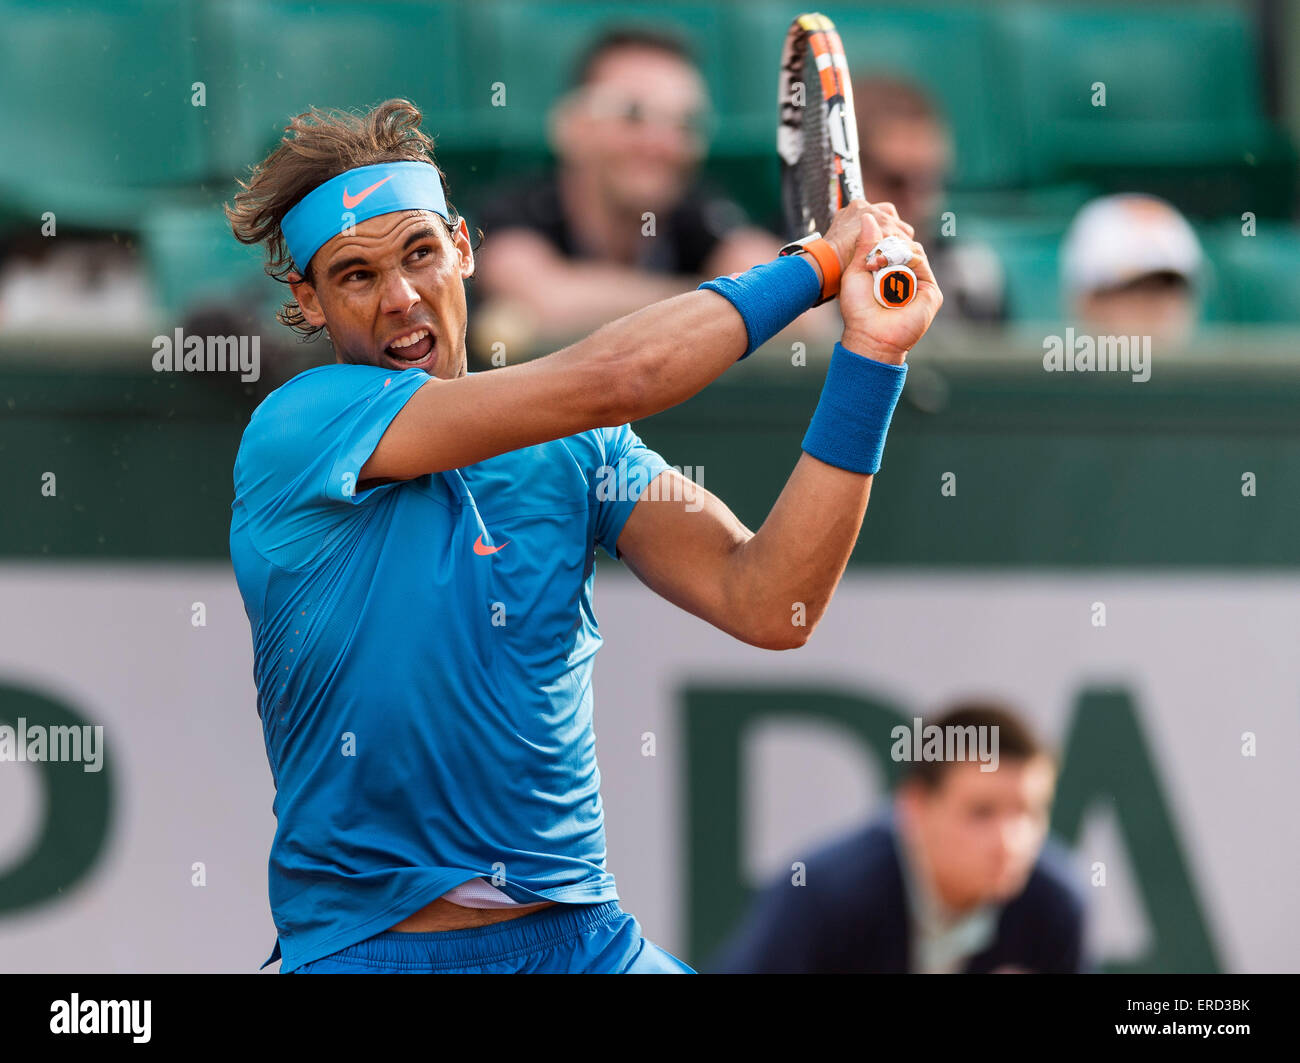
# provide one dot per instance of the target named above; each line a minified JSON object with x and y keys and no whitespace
{"x":343,"y":201}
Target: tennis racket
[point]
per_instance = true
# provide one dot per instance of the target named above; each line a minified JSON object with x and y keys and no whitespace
{"x":817,"y":141}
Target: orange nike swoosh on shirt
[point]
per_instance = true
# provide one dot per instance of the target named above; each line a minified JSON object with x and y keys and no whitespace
{"x":351,"y":201}
{"x":481,"y":550}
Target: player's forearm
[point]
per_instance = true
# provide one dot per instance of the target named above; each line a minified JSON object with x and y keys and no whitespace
{"x":790,"y":567}
{"x":665,"y":353}
{"x":793,"y":563}
{"x":671,"y":350}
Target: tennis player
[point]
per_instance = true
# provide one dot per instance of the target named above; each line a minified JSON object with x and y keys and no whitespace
{"x":414,"y":545}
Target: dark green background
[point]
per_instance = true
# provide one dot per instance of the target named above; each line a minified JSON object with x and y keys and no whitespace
{"x":1052,"y":469}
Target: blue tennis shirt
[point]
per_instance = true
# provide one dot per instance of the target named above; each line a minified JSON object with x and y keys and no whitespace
{"x":423,"y":656}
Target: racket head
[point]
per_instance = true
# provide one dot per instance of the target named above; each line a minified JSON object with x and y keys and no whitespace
{"x":817,"y":131}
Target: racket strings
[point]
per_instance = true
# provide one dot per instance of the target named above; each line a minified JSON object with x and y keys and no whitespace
{"x":813,"y":173}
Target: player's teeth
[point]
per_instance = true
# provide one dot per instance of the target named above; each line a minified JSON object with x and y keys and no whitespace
{"x":413,"y":340}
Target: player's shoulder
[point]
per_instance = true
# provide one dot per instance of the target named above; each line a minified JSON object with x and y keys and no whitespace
{"x":299,"y":419}
{"x":315,"y":396}
{"x":338,"y":380}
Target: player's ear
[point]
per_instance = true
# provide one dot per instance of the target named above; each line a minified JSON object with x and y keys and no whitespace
{"x":465,"y":249}
{"x":305,"y":295}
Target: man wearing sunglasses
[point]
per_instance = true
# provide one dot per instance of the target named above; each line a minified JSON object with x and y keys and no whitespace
{"x":621,"y":223}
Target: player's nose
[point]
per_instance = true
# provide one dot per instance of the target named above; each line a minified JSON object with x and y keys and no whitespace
{"x":398,"y":294}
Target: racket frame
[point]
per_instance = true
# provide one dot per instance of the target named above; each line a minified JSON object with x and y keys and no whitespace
{"x":816,"y":33}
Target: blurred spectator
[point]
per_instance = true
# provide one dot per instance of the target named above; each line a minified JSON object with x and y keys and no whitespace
{"x":1130,"y":267}
{"x":570,"y":251}
{"x":906,"y":151}
{"x":957,"y":876}
{"x":75,"y":283}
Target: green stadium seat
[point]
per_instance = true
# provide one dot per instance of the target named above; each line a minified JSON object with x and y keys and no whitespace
{"x":192,"y":258}
{"x":272,"y":59}
{"x":1181,"y":86}
{"x":97,"y":109}
{"x":1029,"y":251}
{"x":1260,"y":274}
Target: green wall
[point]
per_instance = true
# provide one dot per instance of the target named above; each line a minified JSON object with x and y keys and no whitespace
{"x":1051,"y":469}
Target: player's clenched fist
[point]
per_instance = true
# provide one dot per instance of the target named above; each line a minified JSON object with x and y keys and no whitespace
{"x":870,"y":329}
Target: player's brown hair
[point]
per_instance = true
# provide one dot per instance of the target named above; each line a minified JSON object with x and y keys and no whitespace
{"x":1016,"y":741}
{"x":318,"y":145}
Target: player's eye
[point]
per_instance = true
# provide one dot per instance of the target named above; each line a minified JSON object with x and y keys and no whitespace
{"x":356,"y":274}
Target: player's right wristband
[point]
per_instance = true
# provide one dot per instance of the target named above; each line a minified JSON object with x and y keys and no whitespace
{"x":849,"y":426}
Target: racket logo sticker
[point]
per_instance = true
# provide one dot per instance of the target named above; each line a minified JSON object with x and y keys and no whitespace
{"x":895,"y":286}
{"x":898,"y":287}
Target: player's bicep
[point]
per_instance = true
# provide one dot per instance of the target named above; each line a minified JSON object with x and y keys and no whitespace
{"x":449,"y":424}
{"x":680,"y":541}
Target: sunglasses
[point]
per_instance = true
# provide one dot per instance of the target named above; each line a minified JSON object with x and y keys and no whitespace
{"x":640,"y":114}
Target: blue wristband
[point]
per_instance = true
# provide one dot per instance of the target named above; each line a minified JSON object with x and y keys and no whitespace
{"x":770,"y":296}
{"x":848,"y":427}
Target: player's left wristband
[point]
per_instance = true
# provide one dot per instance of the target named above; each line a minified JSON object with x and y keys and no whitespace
{"x":770,"y":296}
{"x":849,"y":426}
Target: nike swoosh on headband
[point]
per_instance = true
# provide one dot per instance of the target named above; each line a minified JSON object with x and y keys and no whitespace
{"x":351,"y":201}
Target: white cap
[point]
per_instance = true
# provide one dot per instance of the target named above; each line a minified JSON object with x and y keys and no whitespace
{"x":1117,"y":239}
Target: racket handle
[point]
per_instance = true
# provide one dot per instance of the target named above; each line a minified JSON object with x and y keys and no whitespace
{"x":895,"y":286}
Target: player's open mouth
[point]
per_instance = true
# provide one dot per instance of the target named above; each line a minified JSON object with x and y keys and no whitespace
{"x":413,"y":349}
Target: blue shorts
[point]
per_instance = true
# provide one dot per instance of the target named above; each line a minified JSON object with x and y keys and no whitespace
{"x":562,"y":939}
